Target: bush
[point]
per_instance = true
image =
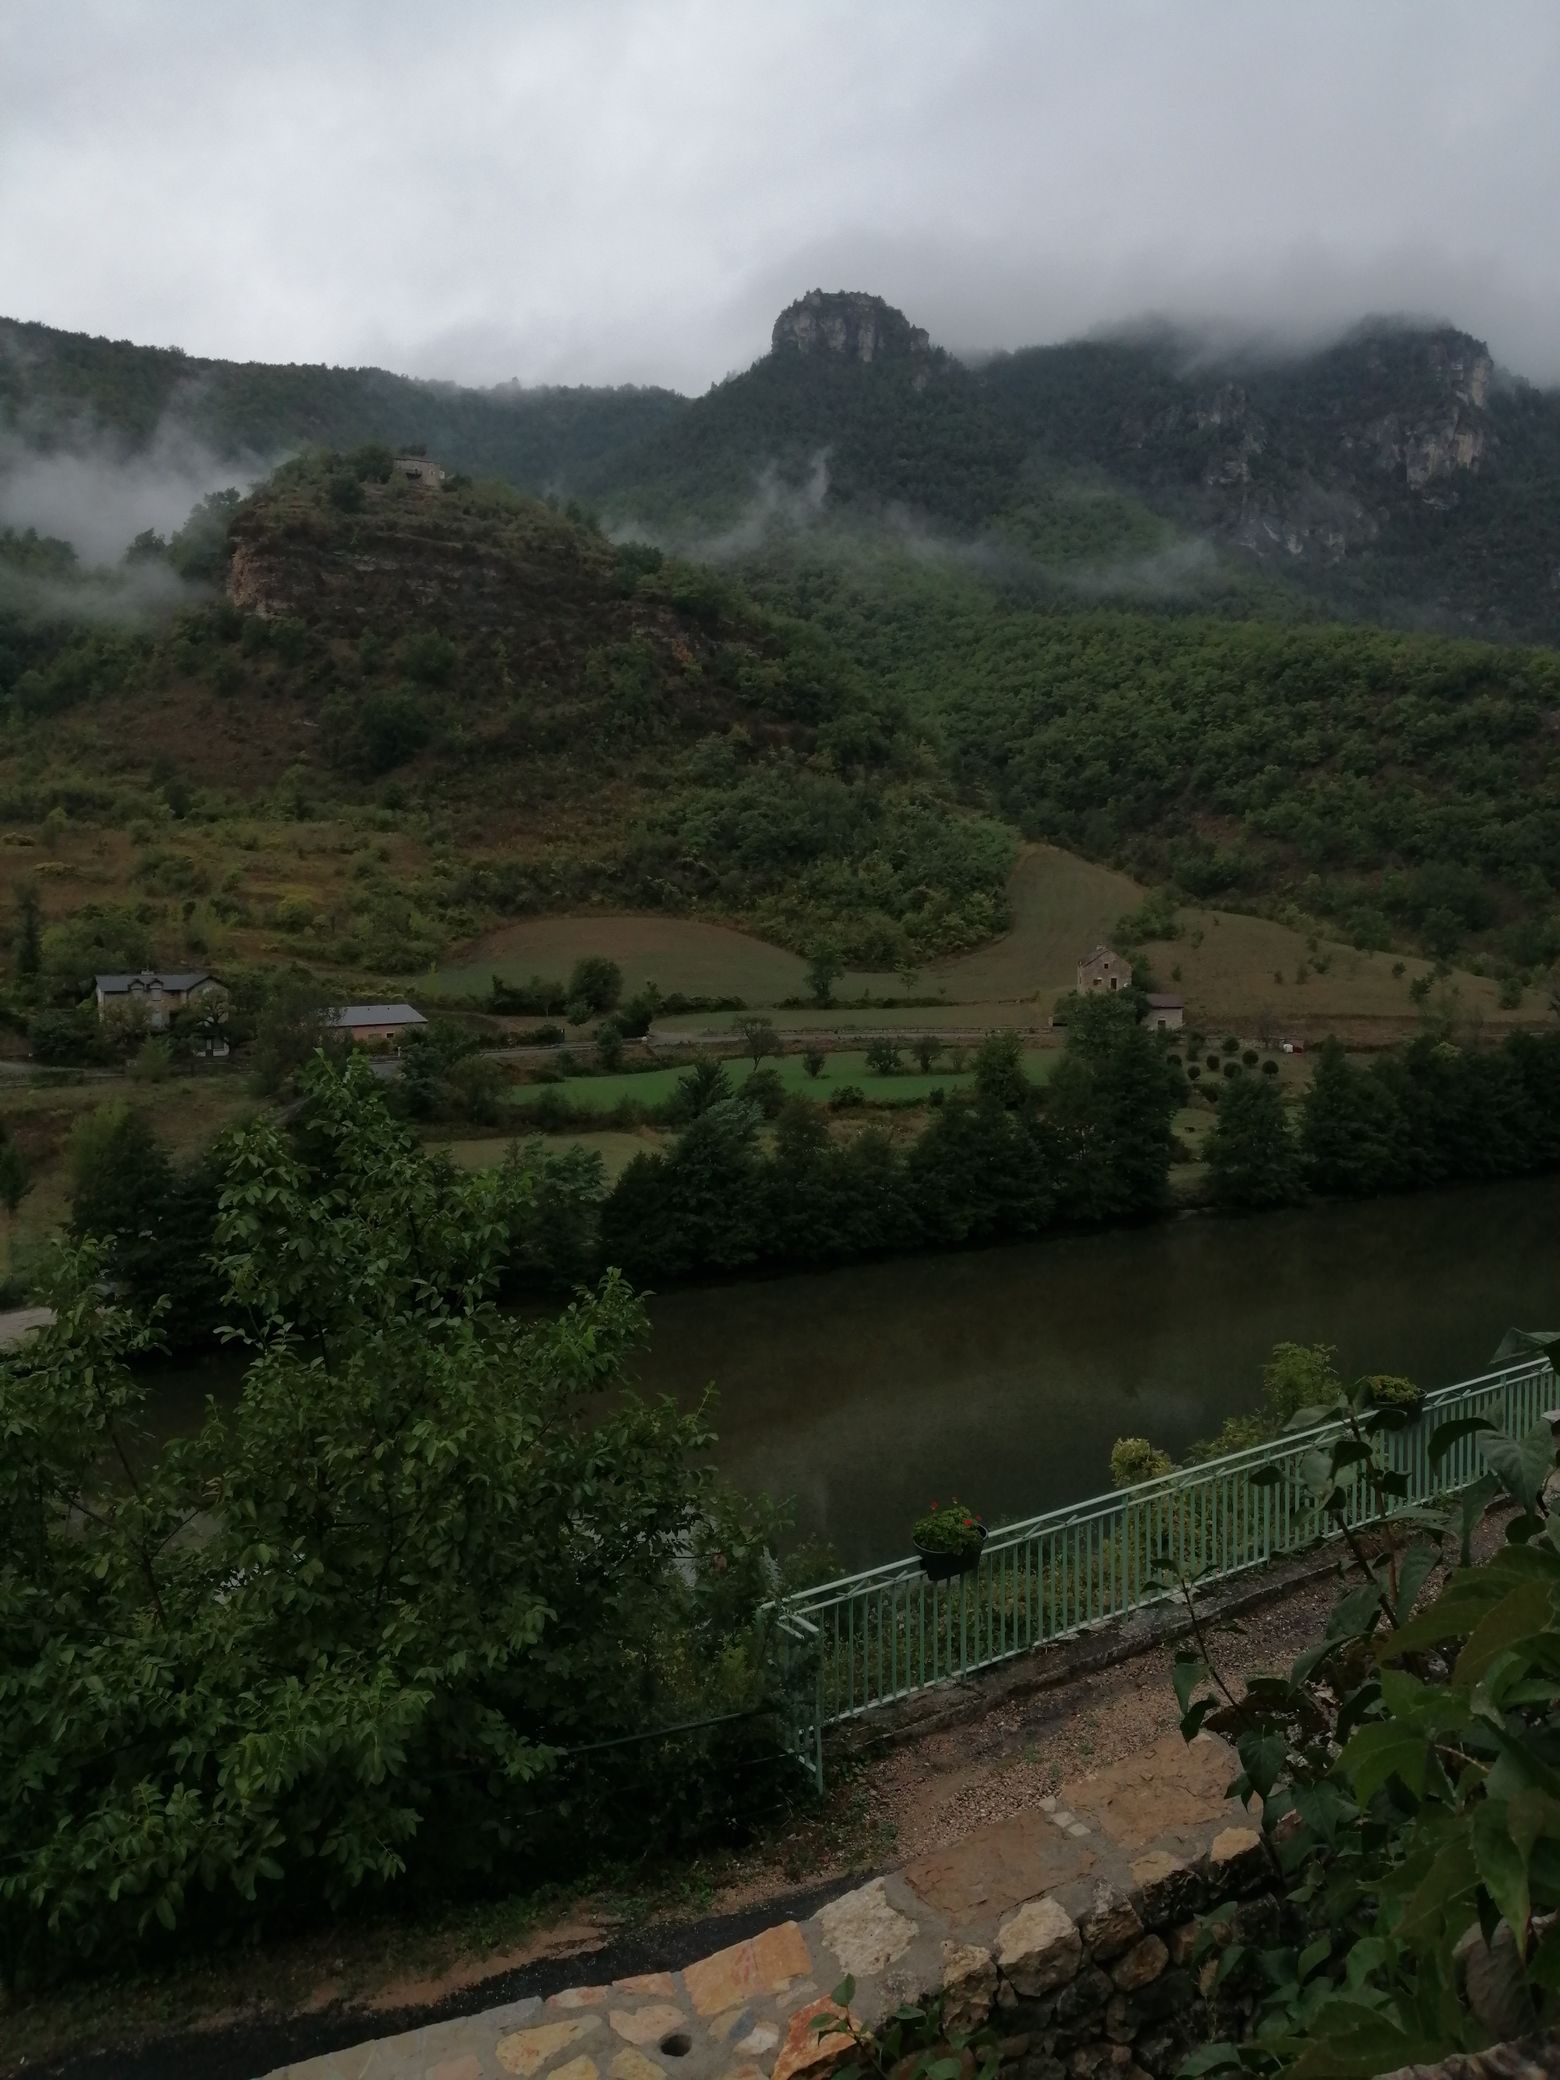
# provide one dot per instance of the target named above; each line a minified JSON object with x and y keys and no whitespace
{"x":1134,"y":1459}
{"x":1229,"y":1044}
{"x":595,"y":982}
{"x":609,"y":1046}
{"x":883,"y":1058}
{"x":763,"y":1088}
{"x":1250,"y":1057}
{"x":848,"y":1098}
{"x":64,"y":1039}
{"x":1270,"y":1068}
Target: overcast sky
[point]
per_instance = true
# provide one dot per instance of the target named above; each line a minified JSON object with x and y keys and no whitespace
{"x":629,"y":190}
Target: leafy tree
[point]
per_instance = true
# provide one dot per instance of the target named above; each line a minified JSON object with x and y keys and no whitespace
{"x":63,"y":1039}
{"x":291,"y":1022}
{"x":1253,"y":1158}
{"x":609,"y":1045}
{"x":814,"y":1061}
{"x":1347,"y":1125}
{"x":696,"y":1207}
{"x":15,"y":1175}
{"x":825,"y":966}
{"x":596,"y":982}
{"x":758,"y":1038}
{"x":706,"y":1084}
{"x":1113,"y":1100}
{"x":152,"y":1219}
{"x":999,"y":1071}
{"x":96,"y":939}
{"x":883,"y":1059}
{"x":451,"y":1552}
{"x":764,"y":1089}
{"x":926,"y":1049}
{"x":27,"y":943}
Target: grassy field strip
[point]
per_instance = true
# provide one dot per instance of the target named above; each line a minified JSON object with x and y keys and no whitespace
{"x":1236,"y":972}
{"x":655,"y":1086}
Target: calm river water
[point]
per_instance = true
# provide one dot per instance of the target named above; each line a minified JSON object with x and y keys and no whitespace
{"x":1004,"y":1376}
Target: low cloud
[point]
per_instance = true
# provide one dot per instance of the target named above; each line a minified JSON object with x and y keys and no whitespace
{"x":98,"y":495}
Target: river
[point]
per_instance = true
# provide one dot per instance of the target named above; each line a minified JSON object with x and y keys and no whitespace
{"x":1004,"y":1376}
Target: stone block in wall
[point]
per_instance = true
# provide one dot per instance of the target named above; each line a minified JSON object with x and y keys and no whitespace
{"x":1167,"y":1888}
{"x":1038,"y":1948}
{"x":1114,"y":1926}
{"x":1144,"y":1961}
{"x":1085,"y":1998}
{"x":1237,"y":1862}
{"x":969,"y":1986}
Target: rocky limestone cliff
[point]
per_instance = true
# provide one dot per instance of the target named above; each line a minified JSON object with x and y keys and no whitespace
{"x":849,"y":324}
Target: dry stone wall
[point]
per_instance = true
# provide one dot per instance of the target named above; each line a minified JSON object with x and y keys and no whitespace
{"x":1071,"y":1931}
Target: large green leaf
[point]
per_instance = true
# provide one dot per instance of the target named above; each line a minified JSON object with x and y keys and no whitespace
{"x":1445,"y":1435}
{"x":1522,"y":1612}
{"x":1522,"y":1464}
{"x":1385,"y":1749}
{"x":1503,"y":1865}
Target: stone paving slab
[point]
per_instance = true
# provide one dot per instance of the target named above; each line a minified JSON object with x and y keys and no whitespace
{"x":1015,"y":1906}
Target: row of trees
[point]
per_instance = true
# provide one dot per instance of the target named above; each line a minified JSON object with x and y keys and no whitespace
{"x":1430,"y":1113}
{"x":1007,"y":1161}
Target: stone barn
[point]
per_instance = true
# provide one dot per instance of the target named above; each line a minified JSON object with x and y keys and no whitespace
{"x":1103,"y":970}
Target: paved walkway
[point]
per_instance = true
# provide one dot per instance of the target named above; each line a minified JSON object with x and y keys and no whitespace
{"x":999,"y":1896}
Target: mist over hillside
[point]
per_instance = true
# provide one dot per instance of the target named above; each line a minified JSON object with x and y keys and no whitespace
{"x":1394,"y":475}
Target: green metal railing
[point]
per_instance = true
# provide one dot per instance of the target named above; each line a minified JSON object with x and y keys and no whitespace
{"x":872,"y":1639}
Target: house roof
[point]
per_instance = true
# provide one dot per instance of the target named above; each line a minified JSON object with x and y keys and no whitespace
{"x":1097,"y":952}
{"x":1160,"y":1002}
{"x":377,"y":1015}
{"x":180,"y":979}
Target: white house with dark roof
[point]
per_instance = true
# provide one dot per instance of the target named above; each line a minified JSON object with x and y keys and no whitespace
{"x":161,"y":994}
{"x":366,"y":1023}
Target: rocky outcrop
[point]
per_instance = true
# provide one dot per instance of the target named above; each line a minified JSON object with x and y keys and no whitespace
{"x":849,"y":325}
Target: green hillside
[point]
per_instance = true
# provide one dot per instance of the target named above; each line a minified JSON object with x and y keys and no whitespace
{"x":570,"y":721}
{"x":60,"y":388}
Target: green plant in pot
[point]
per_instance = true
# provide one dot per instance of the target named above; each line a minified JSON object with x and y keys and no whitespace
{"x":1391,"y":1390}
{"x":949,"y":1539}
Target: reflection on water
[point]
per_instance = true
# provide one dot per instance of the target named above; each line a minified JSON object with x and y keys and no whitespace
{"x":1005,"y":1376}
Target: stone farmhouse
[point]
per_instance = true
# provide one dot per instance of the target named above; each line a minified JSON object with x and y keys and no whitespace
{"x":189,"y":989}
{"x":419,"y":469}
{"x":1103,"y":970}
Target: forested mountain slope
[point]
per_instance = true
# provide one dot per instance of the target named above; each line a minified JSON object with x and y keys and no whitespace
{"x":578,"y":721}
{"x":1396,"y":475}
{"x":64,"y":388}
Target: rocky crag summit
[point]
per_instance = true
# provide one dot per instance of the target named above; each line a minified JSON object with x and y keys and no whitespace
{"x":849,"y":324}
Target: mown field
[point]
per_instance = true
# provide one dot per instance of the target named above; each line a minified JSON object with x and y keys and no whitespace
{"x":1246,"y":974}
{"x":675,"y":953}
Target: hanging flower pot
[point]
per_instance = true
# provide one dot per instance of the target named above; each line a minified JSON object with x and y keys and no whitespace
{"x":949,"y":1539}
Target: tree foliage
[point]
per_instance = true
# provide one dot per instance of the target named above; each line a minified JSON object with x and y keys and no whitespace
{"x":366,"y":1629}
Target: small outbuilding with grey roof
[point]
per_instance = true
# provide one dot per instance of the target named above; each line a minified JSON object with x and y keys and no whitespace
{"x":368,"y":1023}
